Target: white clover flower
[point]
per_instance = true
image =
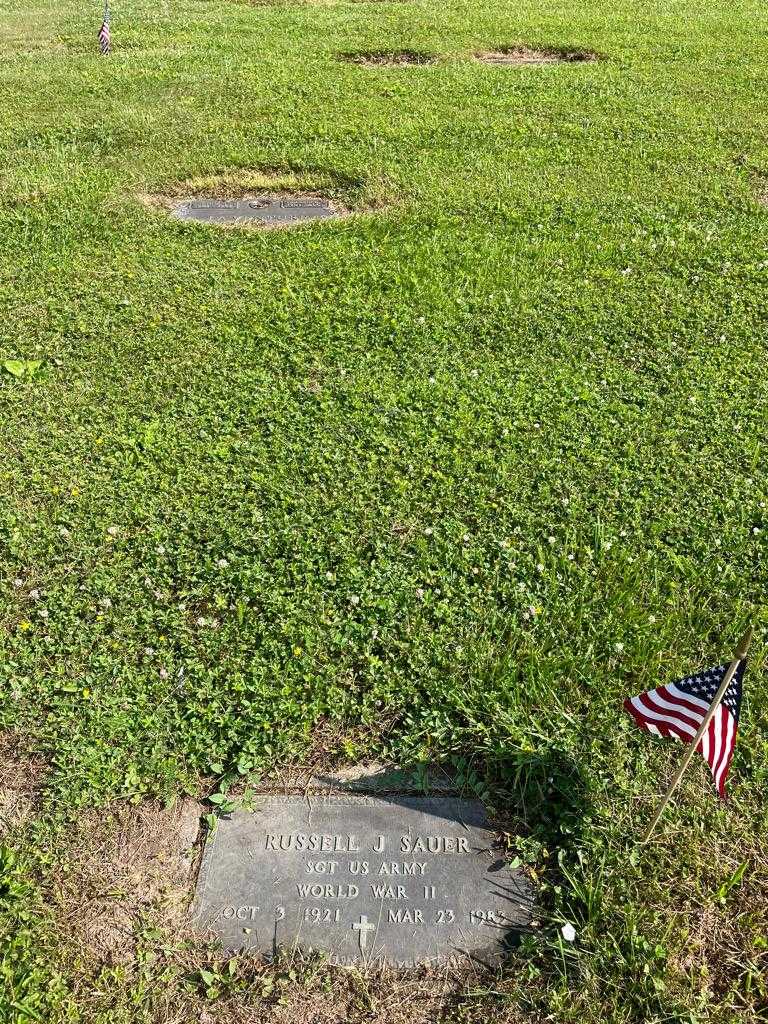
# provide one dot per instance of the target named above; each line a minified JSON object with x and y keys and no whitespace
{"x":651,"y":619}
{"x":568,"y":932}
{"x":43,"y":613}
{"x":63,"y":531}
{"x":222,"y":563}
{"x":202,"y":621}
{"x":419,"y":592}
{"x":34,"y":594}
{"x":105,"y":602}
{"x":113,"y":530}
{"x":540,"y":567}
{"x":354,"y":599}
{"x":552,"y":540}
{"x":429,"y":531}
{"x":18,"y":583}
{"x":618,"y":648}
{"x":329,"y":575}
{"x":160,"y":549}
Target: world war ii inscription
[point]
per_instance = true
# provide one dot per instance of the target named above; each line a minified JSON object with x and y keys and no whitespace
{"x":403,"y":879}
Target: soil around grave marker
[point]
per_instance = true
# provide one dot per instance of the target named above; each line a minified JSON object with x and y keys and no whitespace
{"x":390,"y":58}
{"x":521,"y":56}
{"x":270,"y":210}
{"x":254,"y":199}
{"x":121,"y":864}
{"x":365,"y":869}
{"x":22,"y":777}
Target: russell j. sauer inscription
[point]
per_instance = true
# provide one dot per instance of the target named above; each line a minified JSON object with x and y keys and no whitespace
{"x":404,"y":879}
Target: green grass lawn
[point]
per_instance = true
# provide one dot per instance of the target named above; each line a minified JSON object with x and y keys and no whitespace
{"x":450,"y":477}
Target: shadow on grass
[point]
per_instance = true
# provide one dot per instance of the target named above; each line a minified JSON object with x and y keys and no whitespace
{"x":537,"y":803}
{"x":546,"y":791}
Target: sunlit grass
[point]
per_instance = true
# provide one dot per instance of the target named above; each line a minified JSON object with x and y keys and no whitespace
{"x":456,"y":474}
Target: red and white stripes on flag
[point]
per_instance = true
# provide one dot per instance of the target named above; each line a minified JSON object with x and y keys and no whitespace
{"x":678,"y":709}
{"x":105,"y":38}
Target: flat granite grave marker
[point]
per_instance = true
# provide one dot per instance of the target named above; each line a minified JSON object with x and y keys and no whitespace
{"x":270,"y":211}
{"x":400,"y":879}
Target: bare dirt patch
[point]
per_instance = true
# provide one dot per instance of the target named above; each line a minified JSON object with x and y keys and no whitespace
{"x":389,"y":58}
{"x":21,"y":781}
{"x":122,"y":892}
{"x":123,"y":864}
{"x":297,"y":989}
{"x":519,"y":56}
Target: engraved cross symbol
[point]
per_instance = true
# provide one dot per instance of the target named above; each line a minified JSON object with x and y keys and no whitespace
{"x":362,"y":927}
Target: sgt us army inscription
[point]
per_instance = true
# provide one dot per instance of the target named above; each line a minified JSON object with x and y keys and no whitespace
{"x":403,"y":879}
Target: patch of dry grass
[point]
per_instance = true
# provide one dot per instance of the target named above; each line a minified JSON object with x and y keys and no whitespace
{"x":122,"y":866}
{"x":390,"y":58}
{"x":22,"y":776}
{"x":523,"y":55}
{"x":239,"y":183}
{"x":342,"y":195}
{"x":295,"y":989}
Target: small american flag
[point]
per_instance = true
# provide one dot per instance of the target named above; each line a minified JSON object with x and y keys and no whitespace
{"x":678,"y":709}
{"x":105,"y":39}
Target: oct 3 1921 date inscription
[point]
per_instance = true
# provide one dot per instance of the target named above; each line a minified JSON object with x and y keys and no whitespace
{"x":403,"y":879}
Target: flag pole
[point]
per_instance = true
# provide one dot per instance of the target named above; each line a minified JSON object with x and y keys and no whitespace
{"x":739,"y":655}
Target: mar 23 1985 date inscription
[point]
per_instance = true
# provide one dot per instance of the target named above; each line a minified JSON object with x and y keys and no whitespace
{"x":403,"y":879}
